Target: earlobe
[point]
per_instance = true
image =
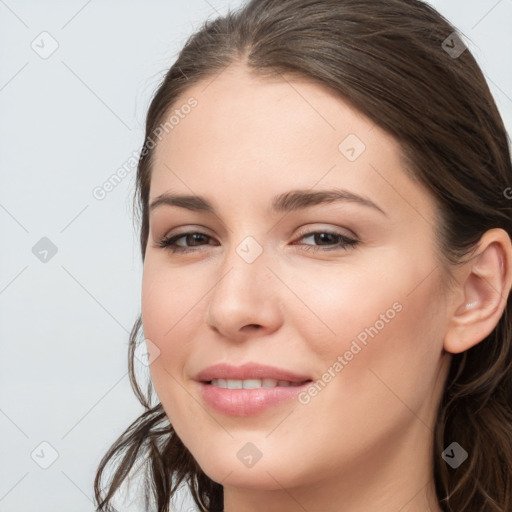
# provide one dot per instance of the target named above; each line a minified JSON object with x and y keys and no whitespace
{"x":485,"y":283}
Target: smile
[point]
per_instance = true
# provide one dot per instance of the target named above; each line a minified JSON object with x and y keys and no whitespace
{"x":252,"y":383}
{"x":248,"y":397}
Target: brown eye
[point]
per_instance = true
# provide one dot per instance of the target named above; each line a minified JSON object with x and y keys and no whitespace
{"x":338,"y":241}
{"x":192,"y":237}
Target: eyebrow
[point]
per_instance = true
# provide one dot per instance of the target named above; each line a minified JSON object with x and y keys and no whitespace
{"x":286,"y":202}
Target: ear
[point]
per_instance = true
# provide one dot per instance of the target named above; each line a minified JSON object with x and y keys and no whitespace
{"x":483,"y":287}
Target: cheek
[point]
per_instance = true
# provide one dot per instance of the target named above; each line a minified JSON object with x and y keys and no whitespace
{"x":171,"y":299}
{"x":384,"y":318}
{"x":335,"y":308}
{"x":386,"y":350}
{"x":170,"y":309}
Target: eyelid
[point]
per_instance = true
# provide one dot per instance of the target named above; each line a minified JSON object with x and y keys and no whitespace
{"x":183,"y":230}
{"x":305,"y":229}
{"x":314,"y":227}
{"x":169,"y":241}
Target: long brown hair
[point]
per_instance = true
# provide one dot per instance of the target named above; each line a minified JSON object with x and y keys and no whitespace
{"x":392,"y":61}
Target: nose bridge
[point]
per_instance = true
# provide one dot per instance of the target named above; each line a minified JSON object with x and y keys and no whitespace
{"x":243,"y":269}
{"x":243,"y":294}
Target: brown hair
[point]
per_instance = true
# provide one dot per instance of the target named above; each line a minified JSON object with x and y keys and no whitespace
{"x":387,"y":59}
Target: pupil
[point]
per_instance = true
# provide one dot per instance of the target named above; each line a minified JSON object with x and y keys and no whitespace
{"x":195,"y":237}
{"x":323,"y":236}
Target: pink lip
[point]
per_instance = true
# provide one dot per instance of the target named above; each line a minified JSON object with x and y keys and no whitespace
{"x":246,"y":402}
{"x":248,"y":371}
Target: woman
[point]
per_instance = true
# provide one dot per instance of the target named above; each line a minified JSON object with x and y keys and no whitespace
{"x":325,"y":232}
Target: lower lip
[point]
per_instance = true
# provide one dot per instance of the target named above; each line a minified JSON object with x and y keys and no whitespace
{"x":247,"y":402}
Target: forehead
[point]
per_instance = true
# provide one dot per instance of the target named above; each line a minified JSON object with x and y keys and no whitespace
{"x":248,"y":136}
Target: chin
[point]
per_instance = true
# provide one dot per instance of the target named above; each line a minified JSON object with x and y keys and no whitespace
{"x":240,"y":463}
{"x":262,"y":476}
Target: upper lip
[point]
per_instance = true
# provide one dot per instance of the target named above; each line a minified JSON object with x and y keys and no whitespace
{"x":248,"y":371}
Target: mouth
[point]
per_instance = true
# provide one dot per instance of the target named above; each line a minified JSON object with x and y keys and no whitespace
{"x":248,"y":389}
{"x":254,"y":383}
{"x":250,"y":373}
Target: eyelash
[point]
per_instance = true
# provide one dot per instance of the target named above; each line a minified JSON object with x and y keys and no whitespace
{"x":169,"y":243}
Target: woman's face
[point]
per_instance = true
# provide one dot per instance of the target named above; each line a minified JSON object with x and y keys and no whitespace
{"x":283,"y":287}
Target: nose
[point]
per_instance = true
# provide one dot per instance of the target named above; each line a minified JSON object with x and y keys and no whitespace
{"x":245,"y":301}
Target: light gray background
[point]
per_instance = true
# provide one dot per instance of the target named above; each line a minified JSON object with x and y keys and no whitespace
{"x":67,"y":123}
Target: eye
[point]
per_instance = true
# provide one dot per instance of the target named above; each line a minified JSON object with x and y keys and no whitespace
{"x":170,"y":244}
{"x":338,"y":241}
{"x":344,"y":242}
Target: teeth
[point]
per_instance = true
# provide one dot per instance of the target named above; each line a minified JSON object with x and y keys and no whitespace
{"x":251,"y":383}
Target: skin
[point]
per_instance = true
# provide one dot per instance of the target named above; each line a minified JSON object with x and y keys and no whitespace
{"x":364,"y":442}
